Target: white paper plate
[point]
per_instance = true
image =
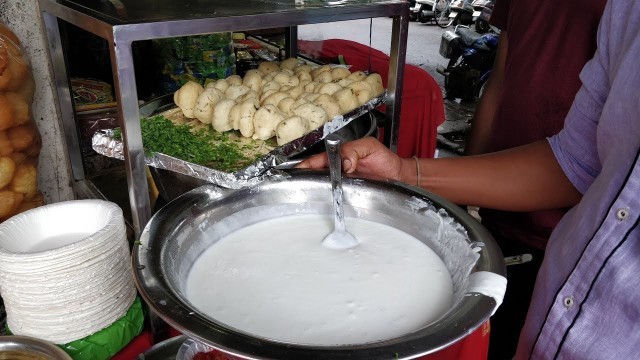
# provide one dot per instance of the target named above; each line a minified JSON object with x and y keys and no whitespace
{"x":65,"y":270}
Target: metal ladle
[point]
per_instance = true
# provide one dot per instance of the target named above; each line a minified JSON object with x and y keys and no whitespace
{"x":340,"y":238}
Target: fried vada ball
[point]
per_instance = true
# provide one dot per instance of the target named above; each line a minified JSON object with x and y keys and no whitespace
{"x":302,"y":68}
{"x":206,"y":101}
{"x":310,"y":87}
{"x":303,"y":75}
{"x":185,"y":98}
{"x":238,"y":111}
{"x":7,"y":171}
{"x":265,"y":121}
{"x":25,"y":180}
{"x":375,"y":80}
{"x":346,"y":99}
{"x":329,"y":104}
{"x":236,"y":91}
{"x":271,"y":85}
{"x":357,"y":76}
{"x":344,"y":82}
{"x":323,"y":77}
{"x":314,"y":114}
{"x":286,"y":79}
{"x":296,"y":91}
{"x":5,"y":145}
{"x":289,"y":63}
{"x":309,"y":96}
{"x":329,"y":88}
{"x":221,"y":121}
{"x":247,"y":112}
{"x":362,"y":90}
{"x":290,"y":129}
{"x":6,"y":113}
{"x":319,"y":70}
{"x":9,"y":202}
{"x":275,"y":98}
{"x":339,"y":72}
{"x":299,"y":101}
{"x":234,"y":116}
{"x":251,"y":95}
{"x":285,"y":105}
{"x":21,"y":137}
{"x":221,"y":85}
{"x":253,"y":79}
{"x":234,"y":80}
{"x":268,"y":67}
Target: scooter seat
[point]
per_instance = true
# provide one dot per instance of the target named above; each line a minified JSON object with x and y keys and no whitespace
{"x":467,"y":35}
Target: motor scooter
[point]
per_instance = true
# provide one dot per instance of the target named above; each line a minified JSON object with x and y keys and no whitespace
{"x":482,"y":10}
{"x":436,"y":11}
{"x":461,"y":12}
{"x":471,"y":56}
{"x":413,"y":14}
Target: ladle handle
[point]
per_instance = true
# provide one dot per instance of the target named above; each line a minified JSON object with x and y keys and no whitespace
{"x":333,"y":144}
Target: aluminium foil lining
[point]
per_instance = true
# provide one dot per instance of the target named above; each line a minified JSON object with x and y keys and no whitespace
{"x":267,"y":166}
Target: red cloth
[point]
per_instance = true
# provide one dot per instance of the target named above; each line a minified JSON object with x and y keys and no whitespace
{"x":422,"y":108}
{"x":138,"y":345}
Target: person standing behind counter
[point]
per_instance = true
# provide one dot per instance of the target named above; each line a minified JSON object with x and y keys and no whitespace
{"x":542,"y":48}
{"x":586,"y":301}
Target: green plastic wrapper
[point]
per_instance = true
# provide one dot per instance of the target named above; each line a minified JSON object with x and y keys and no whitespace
{"x":194,"y":58}
{"x":110,"y":340}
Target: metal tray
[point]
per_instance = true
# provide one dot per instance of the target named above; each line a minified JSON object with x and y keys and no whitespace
{"x":270,"y":165}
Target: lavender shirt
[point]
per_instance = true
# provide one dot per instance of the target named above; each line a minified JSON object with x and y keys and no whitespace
{"x":586,"y":304}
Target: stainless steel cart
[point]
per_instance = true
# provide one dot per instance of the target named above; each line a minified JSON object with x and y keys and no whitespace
{"x":122,"y":22}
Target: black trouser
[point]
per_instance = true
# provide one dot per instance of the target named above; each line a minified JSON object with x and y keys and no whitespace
{"x":508,"y":320}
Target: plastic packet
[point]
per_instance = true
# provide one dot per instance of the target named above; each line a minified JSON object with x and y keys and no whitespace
{"x":195,"y":350}
{"x":20,"y":141}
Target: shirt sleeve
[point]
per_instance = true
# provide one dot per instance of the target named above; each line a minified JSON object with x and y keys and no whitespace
{"x":575,"y":146}
{"x":500,"y":14}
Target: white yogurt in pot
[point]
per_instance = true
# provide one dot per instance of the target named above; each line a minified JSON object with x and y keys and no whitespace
{"x":274,"y":279}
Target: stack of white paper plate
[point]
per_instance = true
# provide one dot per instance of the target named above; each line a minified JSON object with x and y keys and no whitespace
{"x":65,"y":270}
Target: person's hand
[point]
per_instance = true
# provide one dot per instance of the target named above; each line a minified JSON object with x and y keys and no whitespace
{"x":367,"y":157}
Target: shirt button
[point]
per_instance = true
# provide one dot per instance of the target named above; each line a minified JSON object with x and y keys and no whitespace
{"x":568,"y":301}
{"x":622,"y":214}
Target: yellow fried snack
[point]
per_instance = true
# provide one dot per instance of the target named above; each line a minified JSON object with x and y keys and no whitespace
{"x":20,"y":108}
{"x":9,"y":202}
{"x":25,"y":180}
{"x":7,"y":171}
{"x":6,"y":113}
{"x":5,"y":144}
{"x":5,"y":75}
{"x":21,"y":137}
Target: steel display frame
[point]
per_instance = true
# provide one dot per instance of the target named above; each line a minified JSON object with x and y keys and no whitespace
{"x":121,"y":33}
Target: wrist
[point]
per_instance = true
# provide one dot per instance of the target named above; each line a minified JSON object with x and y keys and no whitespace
{"x":411,"y":167}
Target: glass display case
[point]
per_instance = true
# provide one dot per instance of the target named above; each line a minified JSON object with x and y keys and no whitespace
{"x":123,"y":22}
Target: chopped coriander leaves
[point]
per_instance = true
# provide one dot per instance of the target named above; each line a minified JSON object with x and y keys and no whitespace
{"x":203,"y":146}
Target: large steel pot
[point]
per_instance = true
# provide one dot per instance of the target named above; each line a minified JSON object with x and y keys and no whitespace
{"x":187,"y":226}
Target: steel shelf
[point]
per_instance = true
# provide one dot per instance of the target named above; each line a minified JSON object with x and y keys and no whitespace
{"x":122,"y":22}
